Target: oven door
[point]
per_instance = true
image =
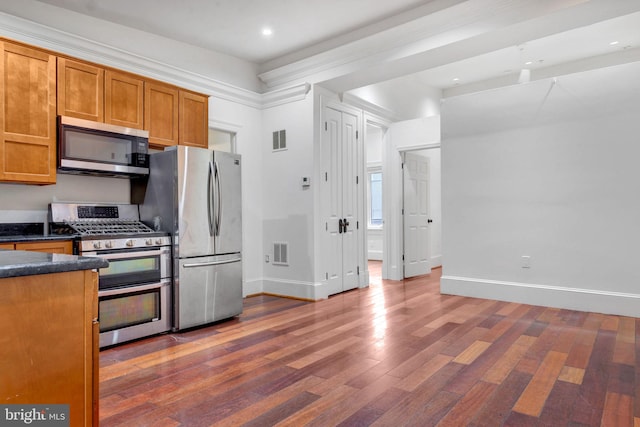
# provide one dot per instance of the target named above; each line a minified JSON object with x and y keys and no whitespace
{"x":132,"y":312}
{"x":132,"y":267}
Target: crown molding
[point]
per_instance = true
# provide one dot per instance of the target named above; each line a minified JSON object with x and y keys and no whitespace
{"x":369,"y":107}
{"x":25,"y":31}
{"x":283,"y":96}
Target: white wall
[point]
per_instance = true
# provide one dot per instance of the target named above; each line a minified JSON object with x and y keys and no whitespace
{"x":287,"y":206}
{"x":29,"y":203}
{"x":565,"y":194}
{"x":409,"y":134}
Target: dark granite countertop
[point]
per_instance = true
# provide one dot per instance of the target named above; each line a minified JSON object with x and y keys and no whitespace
{"x":25,"y":263}
{"x":35,"y":237}
{"x":28,"y":232}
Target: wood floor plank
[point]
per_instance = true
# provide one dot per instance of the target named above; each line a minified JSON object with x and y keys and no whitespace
{"x":395,"y":354}
{"x":534,"y":396}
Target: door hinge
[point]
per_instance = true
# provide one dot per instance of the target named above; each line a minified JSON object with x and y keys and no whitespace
{"x":325,"y":125}
{"x":326,"y":176}
{"x":326,"y":276}
{"x":402,"y":165}
{"x":358,"y":270}
{"x":403,"y":257}
{"x":402,"y":211}
{"x":356,"y":134}
{"x":357,"y":179}
{"x":357,"y":225}
{"x":326,"y":226}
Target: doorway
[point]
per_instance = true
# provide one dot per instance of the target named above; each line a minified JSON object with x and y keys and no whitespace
{"x":421,"y":211}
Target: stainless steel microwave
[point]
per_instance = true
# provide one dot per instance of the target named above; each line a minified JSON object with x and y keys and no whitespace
{"x":93,"y":148}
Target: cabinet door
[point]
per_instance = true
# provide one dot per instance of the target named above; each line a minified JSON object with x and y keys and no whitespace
{"x":161,"y":114}
{"x":9,"y":246}
{"x":123,"y":100}
{"x":27,"y":115}
{"x":53,"y":247}
{"x":194,"y":120}
{"x":80,"y":90}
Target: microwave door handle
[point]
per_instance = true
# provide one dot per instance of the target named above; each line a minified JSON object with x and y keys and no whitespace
{"x":218,"y":200}
{"x":210,"y":199}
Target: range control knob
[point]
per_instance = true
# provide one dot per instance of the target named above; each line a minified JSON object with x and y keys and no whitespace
{"x":158,"y":241}
{"x":129,"y":243}
{"x":148,"y":242}
{"x":108,"y":244}
{"x":96,"y":245}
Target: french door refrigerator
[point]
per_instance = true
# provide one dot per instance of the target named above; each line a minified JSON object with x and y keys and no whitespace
{"x":194,"y":193}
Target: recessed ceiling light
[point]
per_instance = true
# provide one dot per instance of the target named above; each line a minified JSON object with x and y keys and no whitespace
{"x":614,"y":43}
{"x":266,"y":31}
{"x":528,"y":63}
{"x":455,"y":79}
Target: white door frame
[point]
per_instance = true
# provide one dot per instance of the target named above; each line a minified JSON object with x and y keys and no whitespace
{"x":393,"y":239}
{"x":328,"y":100}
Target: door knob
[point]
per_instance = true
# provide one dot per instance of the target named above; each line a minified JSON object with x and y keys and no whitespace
{"x":345,"y":223}
{"x":340,"y":225}
{"x":429,"y":221}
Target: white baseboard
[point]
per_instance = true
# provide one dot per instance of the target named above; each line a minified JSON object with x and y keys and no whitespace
{"x":252,"y":287}
{"x":597,"y":301}
{"x":294,"y":289}
{"x":436,"y":261}
{"x":375,"y":255}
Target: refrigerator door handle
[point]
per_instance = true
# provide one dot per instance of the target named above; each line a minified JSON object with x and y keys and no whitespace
{"x":218,"y":217}
{"x":205,"y":264}
{"x":210,"y":199}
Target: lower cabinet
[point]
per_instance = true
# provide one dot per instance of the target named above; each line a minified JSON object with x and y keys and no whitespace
{"x":49,"y":340}
{"x":51,"y":246}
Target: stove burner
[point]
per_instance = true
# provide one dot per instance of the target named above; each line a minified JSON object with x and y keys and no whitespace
{"x":109,"y":227}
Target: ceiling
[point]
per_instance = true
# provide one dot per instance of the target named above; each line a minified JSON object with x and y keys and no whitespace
{"x":459,"y":46}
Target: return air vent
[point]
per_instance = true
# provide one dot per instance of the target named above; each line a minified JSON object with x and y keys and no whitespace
{"x":279,"y":140}
{"x":280,"y":253}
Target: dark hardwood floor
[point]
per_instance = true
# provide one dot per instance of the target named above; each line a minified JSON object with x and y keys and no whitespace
{"x":393,"y":354}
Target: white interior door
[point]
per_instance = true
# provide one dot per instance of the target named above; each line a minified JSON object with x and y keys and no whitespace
{"x":416,"y":215}
{"x":339,"y":194}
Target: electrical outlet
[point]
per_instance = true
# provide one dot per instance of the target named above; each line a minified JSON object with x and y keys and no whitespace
{"x":526,"y":261}
{"x":266,"y":258}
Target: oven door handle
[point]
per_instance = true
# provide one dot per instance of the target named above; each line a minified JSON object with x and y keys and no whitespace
{"x":129,"y":289}
{"x":206,"y":264}
{"x":138,"y":254}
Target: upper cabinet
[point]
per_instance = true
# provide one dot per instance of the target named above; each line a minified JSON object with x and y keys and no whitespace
{"x":93,"y":93}
{"x":27,"y":115}
{"x":123,"y":99}
{"x":36,"y":86}
{"x":194,"y":119}
{"x":161,"y":114}
{"x":80,"y":90}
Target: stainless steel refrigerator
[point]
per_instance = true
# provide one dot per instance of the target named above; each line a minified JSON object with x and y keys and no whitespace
{"x":194,"y":193}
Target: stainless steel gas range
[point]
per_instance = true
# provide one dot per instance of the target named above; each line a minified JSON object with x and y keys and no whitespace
{"x":134,"y":292}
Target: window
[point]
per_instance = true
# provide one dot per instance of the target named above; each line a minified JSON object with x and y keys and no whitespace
{"x":375,"y":197}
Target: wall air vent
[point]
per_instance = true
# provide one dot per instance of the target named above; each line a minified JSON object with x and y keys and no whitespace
{"x":281,"y":253}
{"x":279,"y":140}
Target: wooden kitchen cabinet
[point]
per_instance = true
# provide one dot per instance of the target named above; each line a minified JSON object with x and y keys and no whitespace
{"x":123,"y":99}
{"x":80,"y":90}
{"x":161,"y":114}
{"x":48,"y":339}
{"x":27,"y":115}
{"x":50,"y":246}
{"x":194,"y":119}
{"x":90,"y":92}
